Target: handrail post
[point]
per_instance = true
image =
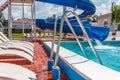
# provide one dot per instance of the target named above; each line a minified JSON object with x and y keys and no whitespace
{"x":70,"y":26}
{"x":90,"y":43}
{"x":53,"y":40}
{"x":56,"y":69}
{"x":59,"y":40}
{"x":84,"y":32}
{"x":51,"y":61}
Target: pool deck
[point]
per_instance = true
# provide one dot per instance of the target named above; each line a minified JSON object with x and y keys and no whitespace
{"x":40,"y":63}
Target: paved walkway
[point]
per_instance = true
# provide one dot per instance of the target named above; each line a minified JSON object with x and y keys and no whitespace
{"x":39,"y":66}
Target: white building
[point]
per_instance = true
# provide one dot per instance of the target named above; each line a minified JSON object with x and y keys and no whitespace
{"x":18,"y":24}
{"x":105,"y":20}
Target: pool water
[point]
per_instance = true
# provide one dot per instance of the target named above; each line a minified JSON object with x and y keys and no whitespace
{"x":109,"y":52}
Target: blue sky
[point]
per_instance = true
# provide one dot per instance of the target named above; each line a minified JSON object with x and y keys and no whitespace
{"x":43,"y":10}
{"x":104,"y":6}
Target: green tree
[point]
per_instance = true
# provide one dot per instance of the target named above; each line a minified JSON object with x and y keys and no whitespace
{"x":89,"y":19}
{"x":115,"y":14}
{"x":3,"y":21}
{"x":94,"y":18}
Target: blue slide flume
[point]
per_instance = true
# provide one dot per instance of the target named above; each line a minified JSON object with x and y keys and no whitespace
{"x":94,"y":32}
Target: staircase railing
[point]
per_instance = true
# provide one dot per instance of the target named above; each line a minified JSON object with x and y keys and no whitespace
{"x":54,"y":33}
{"x":64,"y":18}
{"x":4,"y":6}
{"x":80,"y":45}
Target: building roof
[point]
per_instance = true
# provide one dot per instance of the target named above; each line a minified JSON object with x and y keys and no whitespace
{"x":20,"y":1}
{"x":19,"y":23}
{"x":108,"y":14}
{"x":23,"y":20}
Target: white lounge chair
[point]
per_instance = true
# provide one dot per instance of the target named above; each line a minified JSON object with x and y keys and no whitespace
{"x":46,"y":34}
{"x":28,"y":35}
{"x":16,"y":72}
{"x":21,"y":44}
{"x":41,"y":34}
{"x":18,"y":53}
{"x":50,"y":34}
{"x":25,"y":36}
{"x":7,"y":46}
{"x":37,"y":34}
{"x":7,"y":40}
{"x":3,"y":41}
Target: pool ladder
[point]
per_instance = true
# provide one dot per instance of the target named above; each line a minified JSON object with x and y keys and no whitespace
{"x":64,"y":18}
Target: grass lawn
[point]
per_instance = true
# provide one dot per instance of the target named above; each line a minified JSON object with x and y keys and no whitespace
{"x":16,"y":35}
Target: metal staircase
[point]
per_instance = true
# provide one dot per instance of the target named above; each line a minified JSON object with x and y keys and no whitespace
{"x":3,"y":6}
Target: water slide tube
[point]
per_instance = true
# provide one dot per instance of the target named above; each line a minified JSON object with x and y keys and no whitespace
{"x":94,"y":32}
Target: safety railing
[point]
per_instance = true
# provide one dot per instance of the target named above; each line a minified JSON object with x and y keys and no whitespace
{"x":54,"y":33}
{"x":64,"y":18}
{"x":53,"y":40}
{"x":80,"y":45}
{"x":85,"y":33}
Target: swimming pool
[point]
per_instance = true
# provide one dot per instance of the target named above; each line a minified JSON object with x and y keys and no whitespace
{"x":79,"y":68}
{"x":109,"y":52}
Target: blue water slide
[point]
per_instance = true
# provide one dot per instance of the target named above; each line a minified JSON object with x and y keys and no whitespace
{"x":94,"y":32}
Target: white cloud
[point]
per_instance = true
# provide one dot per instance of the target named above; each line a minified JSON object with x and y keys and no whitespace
{"x":95,"y":0}
{"x":2,"y":2}
{"x":5,"y":12}
{"x":27,"y":12}
{"x":47,"y":10}
{"x":118,"y":2}
{"x":101,"y":9}
{"x":43,"y":10}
